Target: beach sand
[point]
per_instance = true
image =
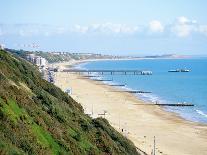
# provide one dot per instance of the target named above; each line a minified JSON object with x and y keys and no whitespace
{"x":135,"y":119}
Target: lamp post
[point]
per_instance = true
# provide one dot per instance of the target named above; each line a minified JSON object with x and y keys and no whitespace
{"x":154,"y":146}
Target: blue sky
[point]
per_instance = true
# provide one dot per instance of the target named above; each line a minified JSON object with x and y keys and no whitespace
{"x":137,"y":27}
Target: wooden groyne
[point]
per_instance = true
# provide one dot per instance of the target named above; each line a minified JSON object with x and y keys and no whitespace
{"x":167,"y":104}
{"x":176,"y":104}
{"x":101,"y":80}
{"x":137,"y":91}
{"x":112,"y":72}
{"x":133,"y":91}
{"x":90,"y":76}
{"x":120,"y":85}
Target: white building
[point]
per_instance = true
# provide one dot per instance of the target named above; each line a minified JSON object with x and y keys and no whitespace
{"x":40,"y":61}
{"x":1,"y":47}
{"x":37,"y":60}
{"x":31,"y":58}
{"x":43,"y":62}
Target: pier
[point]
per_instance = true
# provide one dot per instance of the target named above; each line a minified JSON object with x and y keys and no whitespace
{"x":109,"y":72}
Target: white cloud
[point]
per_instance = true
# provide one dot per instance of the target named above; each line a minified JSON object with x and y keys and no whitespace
{"x":183,"y":27}
{"x":80,"y":29}
{"x":183,"y":30}
{"x":106,"y":28}
{"x":61,"y":30}
{"x":28,"y":32}
{"x":203,"y":29}
{"x":182,"y":20}
{"x":1,"y":33}
{"x":156,"y":26}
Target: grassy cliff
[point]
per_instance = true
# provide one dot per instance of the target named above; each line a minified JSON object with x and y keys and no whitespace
{"x":36,"y":117}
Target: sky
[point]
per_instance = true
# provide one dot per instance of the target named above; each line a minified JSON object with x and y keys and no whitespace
{"x":118,"y":27}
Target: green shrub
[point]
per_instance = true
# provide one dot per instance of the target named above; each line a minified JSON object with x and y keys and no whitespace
{"x":45,"y":120}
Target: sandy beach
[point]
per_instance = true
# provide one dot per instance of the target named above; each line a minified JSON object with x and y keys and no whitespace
{"x":134,"y":118}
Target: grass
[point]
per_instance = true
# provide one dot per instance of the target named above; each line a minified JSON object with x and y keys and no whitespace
{"x":72,"y":132}
{"x":45,"y":139}
{"x":85,"y":144}
{"x":12,"y":110}
{"x":6,"y":148}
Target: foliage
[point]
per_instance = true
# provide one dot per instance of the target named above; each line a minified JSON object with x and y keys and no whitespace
{"x":36,"y":117}
{"x":53,"y":57}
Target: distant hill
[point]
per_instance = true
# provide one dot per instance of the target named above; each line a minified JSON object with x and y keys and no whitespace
{"x":36,"y":117}
{"x":53,"y":57}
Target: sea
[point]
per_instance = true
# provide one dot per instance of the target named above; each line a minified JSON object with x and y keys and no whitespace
{"x":166,"y":87}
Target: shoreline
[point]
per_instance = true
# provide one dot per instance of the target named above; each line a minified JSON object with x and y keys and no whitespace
{"x":126,"y":88}
{"x":152,"y":117}
{"x":76,"y":62}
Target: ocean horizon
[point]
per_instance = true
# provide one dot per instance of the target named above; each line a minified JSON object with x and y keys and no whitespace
{"x":166,"y":87}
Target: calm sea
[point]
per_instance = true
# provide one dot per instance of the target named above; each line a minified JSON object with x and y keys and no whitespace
{"x":166,"y":87}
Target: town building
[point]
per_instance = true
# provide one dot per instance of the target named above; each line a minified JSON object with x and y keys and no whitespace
{"x":1,"y":47}
{"x":37,"y":60}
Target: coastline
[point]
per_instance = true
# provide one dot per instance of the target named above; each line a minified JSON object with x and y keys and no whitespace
{"x":73,"y":62}
{"x":139,"y":122}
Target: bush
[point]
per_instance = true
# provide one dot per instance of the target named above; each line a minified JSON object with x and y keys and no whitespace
{"x":46,"y":120}
{"x":77,"y":137}
{"x":25,"y":146}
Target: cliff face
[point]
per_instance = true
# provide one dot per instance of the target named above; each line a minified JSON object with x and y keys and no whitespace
{"x":36,"y":117}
